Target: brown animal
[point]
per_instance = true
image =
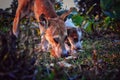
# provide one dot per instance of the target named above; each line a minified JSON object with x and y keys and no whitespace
{"x":50,"y":24}
{"x":25,"y":7}
{"x":55,"y":36}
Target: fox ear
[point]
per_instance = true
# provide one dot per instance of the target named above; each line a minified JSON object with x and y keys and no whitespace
{"x":65,"y":15}
{"x":42,"y":19}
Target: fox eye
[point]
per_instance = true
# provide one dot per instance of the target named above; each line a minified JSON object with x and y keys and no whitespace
{"x":75,"y":39}
{"x":56,"y":40}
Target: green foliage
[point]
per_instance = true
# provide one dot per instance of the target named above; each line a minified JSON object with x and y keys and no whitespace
{"x":4,"y":29}
{"x":77,"y":19}
{"x":43,"y":74}
{"x":107,"y":20}
{"x":83,"y":22}
{"x":106,"y":4}
{"x":89,"y":7}
{"x":92,"y":20}
{"x":111,"y":8}
{"x":88,"y":27}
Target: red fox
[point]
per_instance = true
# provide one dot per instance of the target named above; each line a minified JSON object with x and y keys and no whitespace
{"x":51,"y":25}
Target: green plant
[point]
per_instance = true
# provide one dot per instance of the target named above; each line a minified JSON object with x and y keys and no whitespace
{"x":111,"y":8}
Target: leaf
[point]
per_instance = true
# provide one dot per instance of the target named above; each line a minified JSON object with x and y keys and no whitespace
{"x":77,"y":19}
{"x":88,"y":27}
{"x":51,"y":76}
{"x":107,"y":21}
{"x":90,"y":9}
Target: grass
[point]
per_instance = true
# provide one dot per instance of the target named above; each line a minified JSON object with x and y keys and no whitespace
{"x":91,"y":65}
{"x":98,"y":60}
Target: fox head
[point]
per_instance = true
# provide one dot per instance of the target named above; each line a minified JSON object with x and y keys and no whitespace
{"x":56,"y":34}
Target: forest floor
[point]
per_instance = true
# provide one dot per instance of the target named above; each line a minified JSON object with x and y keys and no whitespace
{"x":99,"y":59}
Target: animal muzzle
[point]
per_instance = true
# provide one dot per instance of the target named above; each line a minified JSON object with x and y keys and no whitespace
{"x":64,"y":53}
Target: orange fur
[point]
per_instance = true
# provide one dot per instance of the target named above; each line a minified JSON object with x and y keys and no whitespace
{"x":37,"y":6}
{"x":56,"y":27}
